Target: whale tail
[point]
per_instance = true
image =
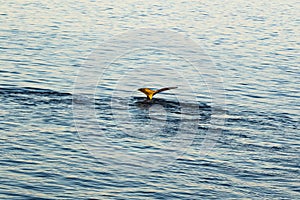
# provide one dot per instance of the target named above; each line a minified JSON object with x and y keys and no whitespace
{"x":150,"y":93}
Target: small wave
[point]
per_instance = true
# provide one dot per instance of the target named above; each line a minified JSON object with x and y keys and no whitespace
{"x":34,"y":96}
{"x":34,"y":91}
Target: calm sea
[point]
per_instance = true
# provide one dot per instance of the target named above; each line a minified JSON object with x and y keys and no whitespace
{"x":74,"y":126}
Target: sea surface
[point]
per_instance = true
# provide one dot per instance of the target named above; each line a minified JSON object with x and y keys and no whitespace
{"x":74,"y":126}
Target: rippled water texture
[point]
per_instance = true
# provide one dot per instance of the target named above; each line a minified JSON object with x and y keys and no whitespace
{"x":74,"y":126}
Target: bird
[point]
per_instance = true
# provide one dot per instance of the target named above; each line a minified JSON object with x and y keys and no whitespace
{"x":150,"y":93}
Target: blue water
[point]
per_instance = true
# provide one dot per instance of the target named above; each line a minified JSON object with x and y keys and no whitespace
{"x":72,"y":128}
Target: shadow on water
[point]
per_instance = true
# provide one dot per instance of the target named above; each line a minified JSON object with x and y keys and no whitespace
{"x":142,"y":118}
{"x":138,"y":110}
{"x":179,"y":109}
{"x":138,"y":115}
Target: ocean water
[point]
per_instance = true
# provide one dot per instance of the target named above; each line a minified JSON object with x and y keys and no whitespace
{"x":74,"y":126}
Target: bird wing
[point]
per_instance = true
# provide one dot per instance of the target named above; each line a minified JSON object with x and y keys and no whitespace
{"x":164,"y":89}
